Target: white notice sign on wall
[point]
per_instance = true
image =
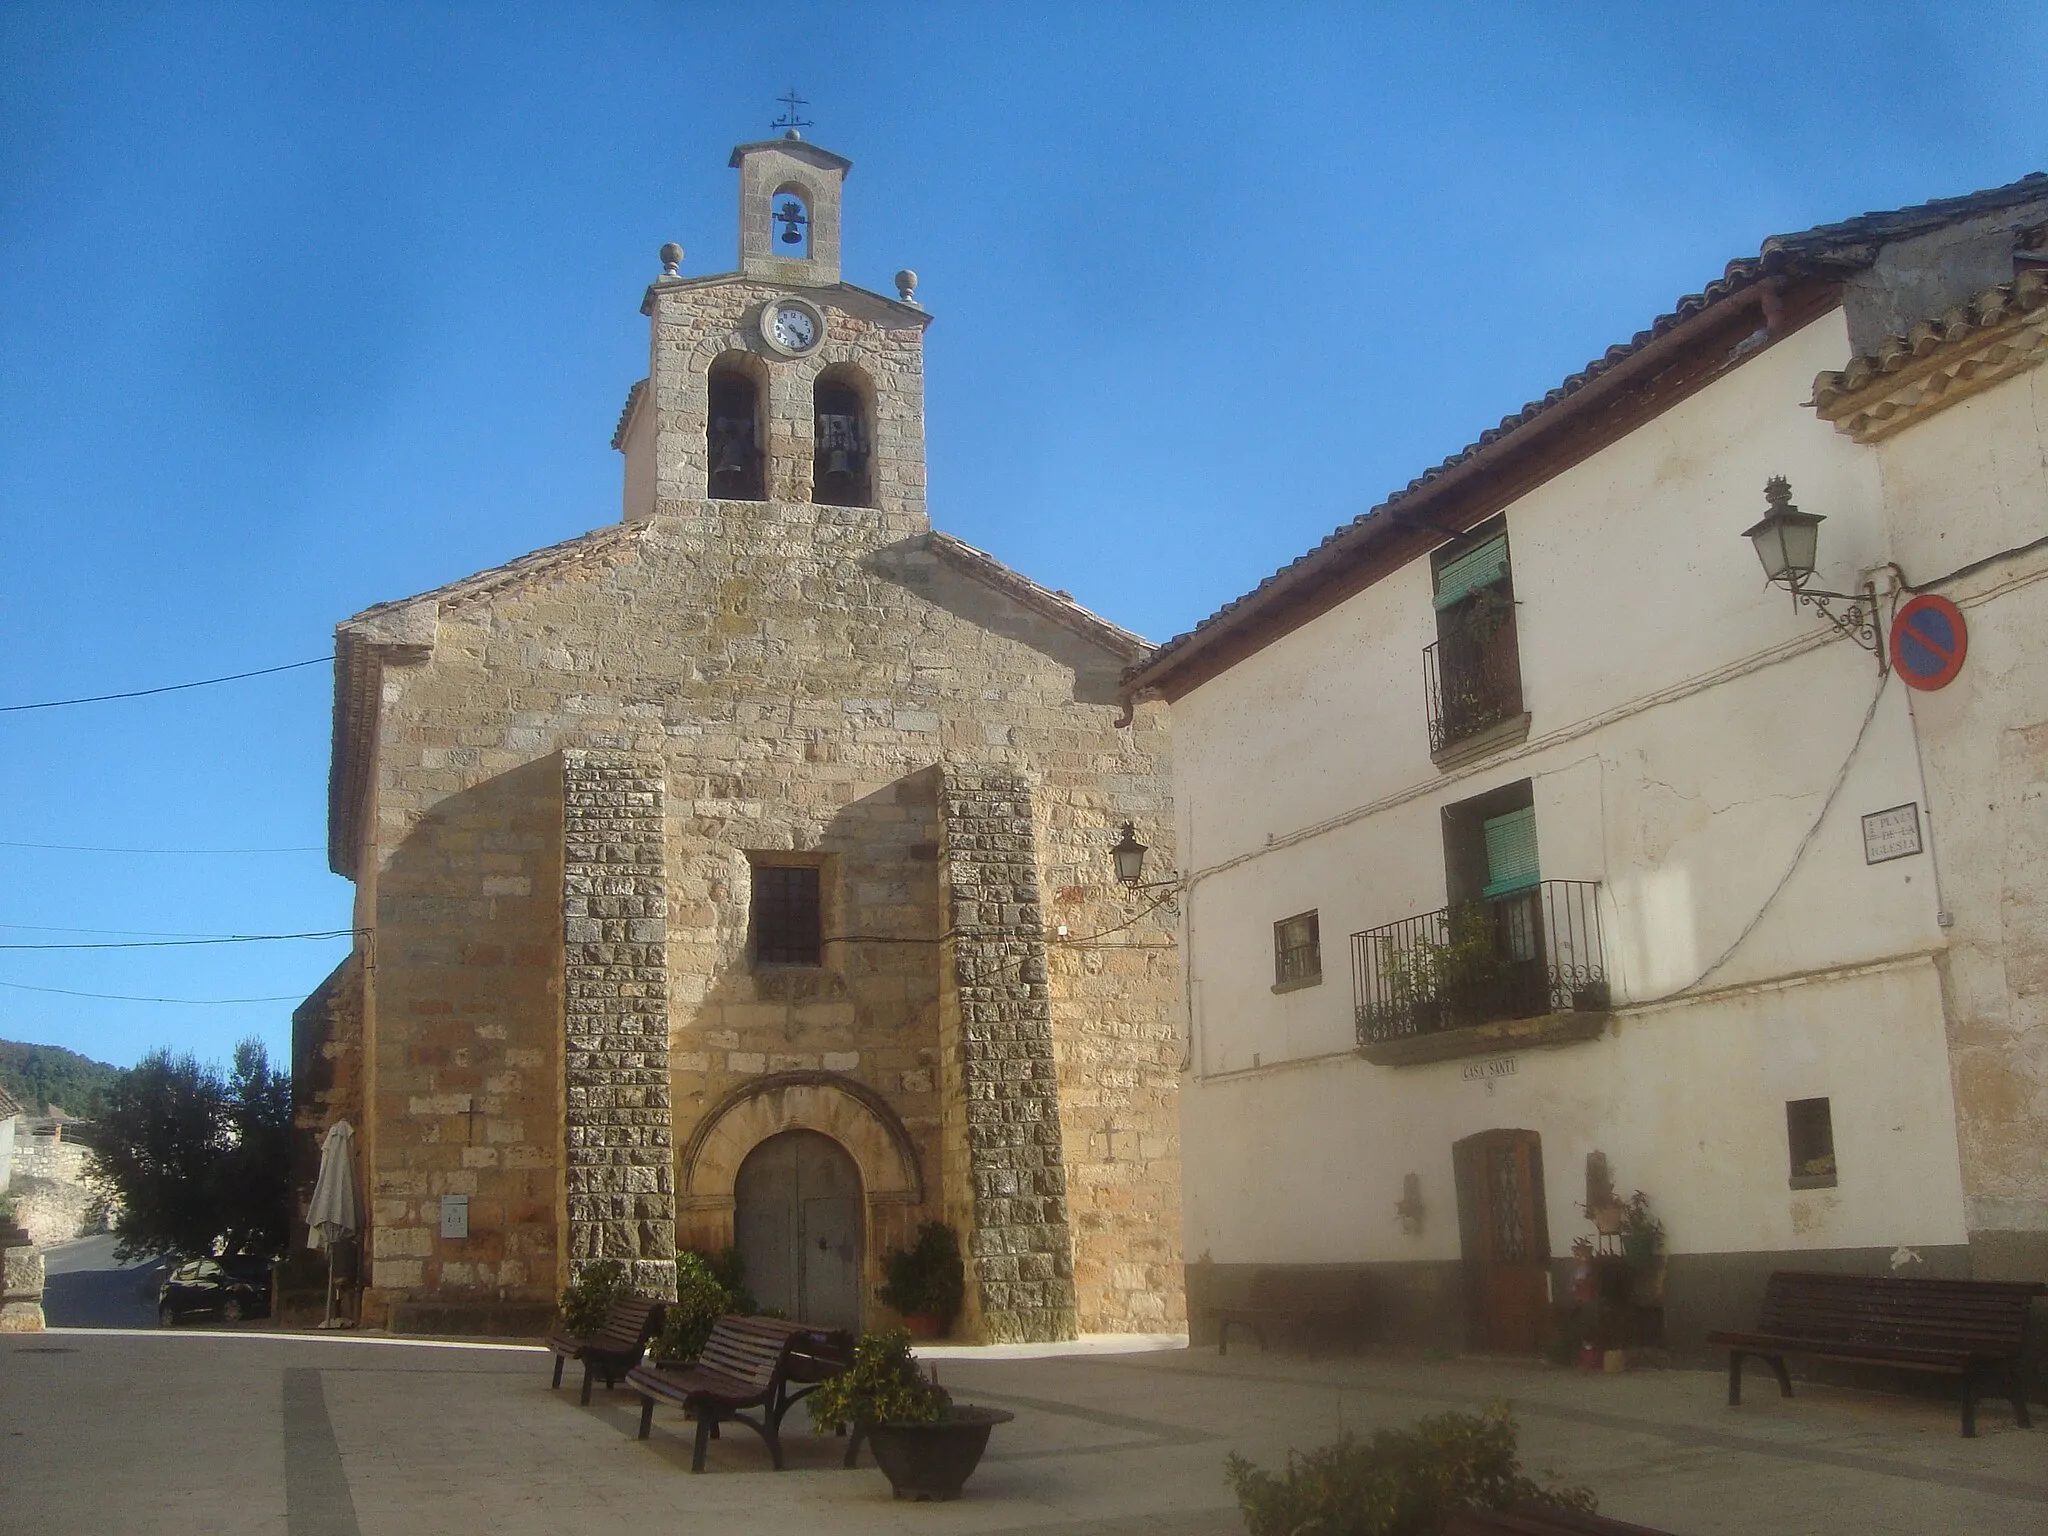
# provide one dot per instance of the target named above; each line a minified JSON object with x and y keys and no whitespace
{"x":455,"y":1215}
{"x":1892,"y":834}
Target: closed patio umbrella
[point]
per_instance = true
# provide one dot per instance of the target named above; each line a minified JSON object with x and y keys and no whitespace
{"x":332,"y":1219}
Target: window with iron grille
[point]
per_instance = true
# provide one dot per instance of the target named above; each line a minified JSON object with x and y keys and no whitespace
{"x":1297,"y":951}
{"x":786,"y":916}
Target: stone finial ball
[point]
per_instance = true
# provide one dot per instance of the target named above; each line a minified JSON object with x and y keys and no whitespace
{"x":671,"y":258}
{"x":906,"y":284}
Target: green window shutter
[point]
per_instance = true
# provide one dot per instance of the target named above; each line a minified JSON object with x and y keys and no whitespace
{"x":1474,"y":569}
{"x":1511,"y":852}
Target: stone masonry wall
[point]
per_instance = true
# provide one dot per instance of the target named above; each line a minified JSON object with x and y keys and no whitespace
{"x":462,"y":1027}
{"x":696,"y":321}
{"x":1002,"y":1087}
{"x":620,"y":1176}
{"x":803,"y":674}
{"x":327,"y":1075}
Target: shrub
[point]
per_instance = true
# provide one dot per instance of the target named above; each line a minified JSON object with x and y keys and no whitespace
{"x":701,"y":1300}
{"x":729,"y":1269}
{"x":928,"y":1277}
{"x":884,"y":1386}
{"x":591,"y":1294}
{"x":1401,"y":1482}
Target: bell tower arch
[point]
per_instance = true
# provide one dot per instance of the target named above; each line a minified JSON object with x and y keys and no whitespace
{"x":790,"y":188}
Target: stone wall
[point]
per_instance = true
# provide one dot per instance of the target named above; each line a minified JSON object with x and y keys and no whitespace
{"x":619,"y":1176}
{"x":802,"y":675}
{"x":698,"y":320}
{"x":1006,"y":1169}
{"x":463,"y":1026}
{"x":21,"y":1290}
{"x":327,"y":1076}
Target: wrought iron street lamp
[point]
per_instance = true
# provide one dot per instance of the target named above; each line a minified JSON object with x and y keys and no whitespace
{"x":1130,"y":857}
{"x":1787,"y":542}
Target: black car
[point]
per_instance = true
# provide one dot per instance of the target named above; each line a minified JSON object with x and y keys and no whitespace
{"x":230,"y":1289}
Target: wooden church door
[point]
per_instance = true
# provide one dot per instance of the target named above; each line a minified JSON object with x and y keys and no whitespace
{"x":1505,"y":1235}
{"x":797,"y":1225}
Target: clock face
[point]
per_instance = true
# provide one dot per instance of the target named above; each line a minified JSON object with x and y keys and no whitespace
{"x":794,"y":328}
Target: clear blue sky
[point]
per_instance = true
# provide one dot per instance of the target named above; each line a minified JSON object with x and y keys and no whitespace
{"x":304,"y":308}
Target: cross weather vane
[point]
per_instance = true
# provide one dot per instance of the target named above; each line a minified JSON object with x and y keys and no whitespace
{"x":789,"y":120}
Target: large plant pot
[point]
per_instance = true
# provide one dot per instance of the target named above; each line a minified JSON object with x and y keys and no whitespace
{"x":933,"y":1461}
{"x":925,"y":1326}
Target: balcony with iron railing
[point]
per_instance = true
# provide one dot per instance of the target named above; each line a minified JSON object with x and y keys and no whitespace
{"x":1472,"y":680}
{"x":1523,"y":968}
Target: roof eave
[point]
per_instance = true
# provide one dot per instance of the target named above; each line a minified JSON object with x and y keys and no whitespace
{"x":1263,"y":614}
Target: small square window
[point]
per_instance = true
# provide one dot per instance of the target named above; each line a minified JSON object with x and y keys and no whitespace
{"x":1810,"y":1134}
{"x":1297,"y":952}
{"x":786,"y":915}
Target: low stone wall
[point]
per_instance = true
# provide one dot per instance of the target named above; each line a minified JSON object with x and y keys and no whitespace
{"x":21,"y":1292}
{"x":53,"y":1210}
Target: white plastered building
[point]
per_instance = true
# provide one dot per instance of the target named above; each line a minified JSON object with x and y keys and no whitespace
{"x":1523,"y":821}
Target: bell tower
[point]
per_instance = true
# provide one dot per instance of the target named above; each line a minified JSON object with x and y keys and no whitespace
{"x":789,"y":211}
{"x":780,"y":387}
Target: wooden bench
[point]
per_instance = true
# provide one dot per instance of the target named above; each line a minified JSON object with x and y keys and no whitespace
{"x":748,"y":1362}
{"x":615,"y":1348}
{"x":1539,"y":1520}
{"x":1299,"y":1296}
{"x":1974,"y":1330}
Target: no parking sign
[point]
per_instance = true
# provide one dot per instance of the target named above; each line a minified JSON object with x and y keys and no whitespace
{"x":1929,"y":642}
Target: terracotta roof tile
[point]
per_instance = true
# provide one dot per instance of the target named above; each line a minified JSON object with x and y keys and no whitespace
{"x":626,"y":414}
{"x":1952,"y":327}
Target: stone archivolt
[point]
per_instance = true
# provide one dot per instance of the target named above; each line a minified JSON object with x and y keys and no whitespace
{"x":852,"y":1114}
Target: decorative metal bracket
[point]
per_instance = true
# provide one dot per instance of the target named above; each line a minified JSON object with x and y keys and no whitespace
{"x":1858,"y":622}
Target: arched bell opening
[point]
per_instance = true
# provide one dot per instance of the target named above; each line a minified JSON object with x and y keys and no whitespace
{"x":842,"y":471}
{"x":798,"y":1216}
{"x":733,"y":431}
{"x":792,"y":218}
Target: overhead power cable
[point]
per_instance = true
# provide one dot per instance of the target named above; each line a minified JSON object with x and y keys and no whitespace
{"x":143,"y":693}
{"x":123,"y":997}
{"x":108,"y":933}
{"x":237,"y":938}
{"x":92,"y":848}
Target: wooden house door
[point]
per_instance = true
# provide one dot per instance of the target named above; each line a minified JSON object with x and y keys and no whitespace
{"x":1506,"y":1238}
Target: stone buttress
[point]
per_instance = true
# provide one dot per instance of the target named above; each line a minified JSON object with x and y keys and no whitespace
{"x":619,"y":1173}
{"x":1005,"y":1179}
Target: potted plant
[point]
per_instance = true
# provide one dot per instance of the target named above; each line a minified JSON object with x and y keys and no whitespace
{"x":1414,"y":979}
{"x":1641,"y":1232}
{"x":701,"y":1300}
{"x":592,"y":1293}
{"x":1642,"y":1235}
{"x":927,"y":1281}
{"x":925,"y":1443}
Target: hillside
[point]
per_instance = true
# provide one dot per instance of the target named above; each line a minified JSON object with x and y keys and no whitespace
{"x":42,"y":1075}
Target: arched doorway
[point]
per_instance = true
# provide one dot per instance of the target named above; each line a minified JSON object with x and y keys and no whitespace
{"x":797,"y":1225}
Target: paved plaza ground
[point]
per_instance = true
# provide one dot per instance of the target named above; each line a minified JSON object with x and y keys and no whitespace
{"x":202,"y":1431}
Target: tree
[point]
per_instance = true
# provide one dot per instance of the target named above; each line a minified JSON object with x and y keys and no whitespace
{"x":42,"y":1075}
{"x":193,"y":1162}
{"x":255,"y":1194}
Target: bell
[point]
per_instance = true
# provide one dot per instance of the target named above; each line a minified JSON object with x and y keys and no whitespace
{"x":839,"y":467}
{"x":730,"y":461}
{"x":792,"y":236}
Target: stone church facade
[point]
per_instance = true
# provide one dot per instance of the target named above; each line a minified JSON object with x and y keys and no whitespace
{"x":739,"y":872}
